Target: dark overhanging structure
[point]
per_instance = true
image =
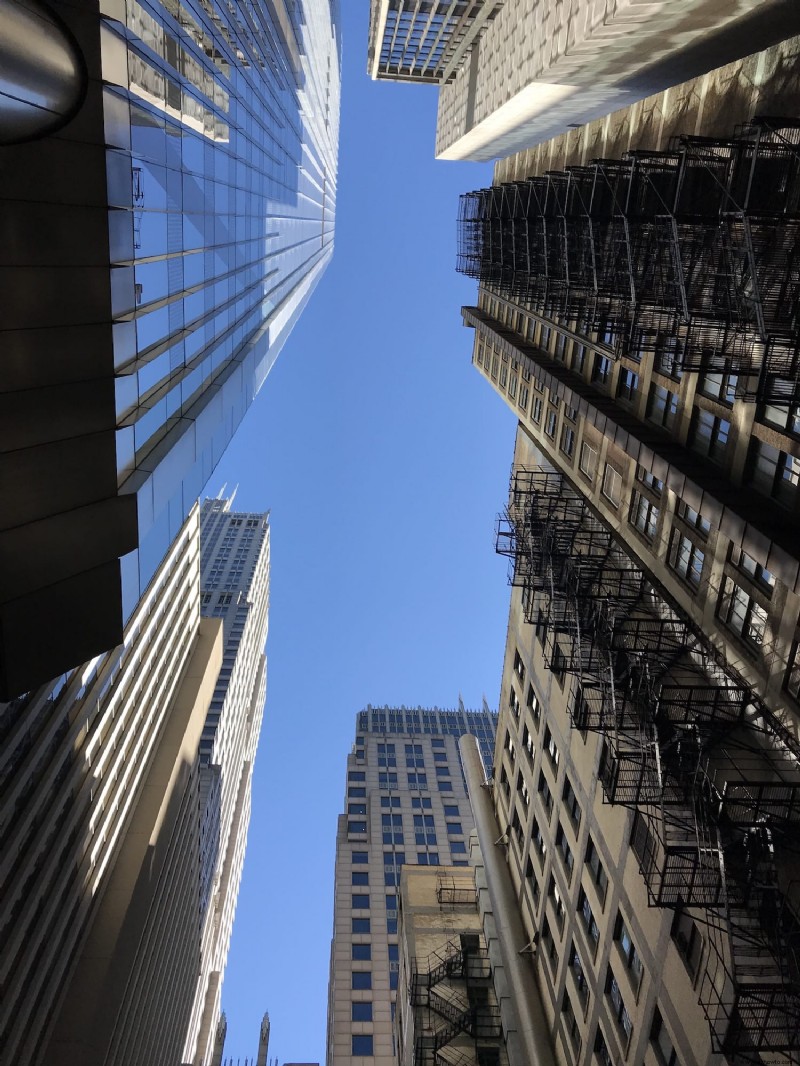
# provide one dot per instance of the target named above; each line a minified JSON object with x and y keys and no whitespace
{"x":692,"y":253}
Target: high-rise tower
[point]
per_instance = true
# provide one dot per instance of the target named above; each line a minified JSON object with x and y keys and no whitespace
{"x":406,"y":803}
{"x":157,"y":249}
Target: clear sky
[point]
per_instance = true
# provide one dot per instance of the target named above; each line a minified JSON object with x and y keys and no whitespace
{"x":384,"y":458}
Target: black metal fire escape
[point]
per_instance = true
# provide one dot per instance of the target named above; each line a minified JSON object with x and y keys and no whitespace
{"x":712,"y":776}
{"x":692,"y":253}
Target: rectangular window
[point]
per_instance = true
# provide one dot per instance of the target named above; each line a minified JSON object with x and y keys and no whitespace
{"x":709,"y":435}
{"x":361,"y":952}
{"x":359,"y":925}
{"x":524,"y":393}
{"x":688,"y":941}
{"x":644,"y":515}
{"x":568,"y":441}
{"x":421,"y":802}
{"x":356,"y":775}
{"x":662,"y":407}
{"x":694,"y":519}
{"x":754,"y":570}
{"x":549,"y":946}
{"x":595,"y":866}
{"x":551,"y":748}
{"x":360,"y":901}
{"x":720,"y":387}
{"x":358,"y":857}
{"x":660,"y":1038}
{"x":390,"y":801}
{"x":588,"y":460}
{"x":630,"y":955}
{"x":588,"y":921}
{"x":618,"y":1009}
{"x":356,"y":793}
{"x":361,"y":979}
{"x":356,"y":827}
{"x":570,"y":1022}
{"x":685,"y":558}
{"x":538,"y":843}
{"x":627,"y":385}
{"x":451,"y":810}
{"x":544,"y":794}
{"x":533,"y":705}
{"x":601,"y":1052}
{"x":579,"y":976}
{"x":359,"y":877}
{"x":601,"y":371}
{"x":356,"y":808}
{"x":741,"y":613}
{"x":387,"y":780}
{"x":457,"y":846}
{"x":566,"y":852}
{"x":773,"y":472}
{"x":550,"y":424}
{"x":569,"y":802}
{"x":559,"y":906}
{"x":361,"y":1012}
{"x":362,"y":1045}
{"x":612,"y":485}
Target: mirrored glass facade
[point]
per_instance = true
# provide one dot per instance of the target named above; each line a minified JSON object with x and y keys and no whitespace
{"x":161,"y":247}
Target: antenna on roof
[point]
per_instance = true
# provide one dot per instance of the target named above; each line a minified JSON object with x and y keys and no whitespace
{"x":221,"y":492}
{"x":461,"y":704}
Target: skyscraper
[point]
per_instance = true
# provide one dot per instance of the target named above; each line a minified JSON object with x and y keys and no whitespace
{"x":235,"y":588}
{"x":124,"y":817}
{"x":405,"y":803}
{"x":638,"y":311}
{"x":157,"y":249}
{"x":513,"y":74}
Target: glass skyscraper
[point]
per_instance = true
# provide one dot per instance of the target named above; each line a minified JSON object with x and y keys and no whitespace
{"x":161,"y":245}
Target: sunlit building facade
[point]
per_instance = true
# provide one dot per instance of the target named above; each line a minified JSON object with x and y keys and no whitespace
{"x":646,"y":780}
{"x":158,"y":249}
{"x":511,"y":75}
{"x":406,"y":803}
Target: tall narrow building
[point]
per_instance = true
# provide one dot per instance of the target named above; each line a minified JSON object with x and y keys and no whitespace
{"x":405,"y":802}
{"x":126,"y":789}
{"x":158,"y":247}
{"x":235,"y":588}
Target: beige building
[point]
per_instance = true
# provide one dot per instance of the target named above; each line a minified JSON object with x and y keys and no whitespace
{"x":447,"y":1010}
{"x":511,"y":75}
{"x":406,"y":804}
{"x":101,"y":839}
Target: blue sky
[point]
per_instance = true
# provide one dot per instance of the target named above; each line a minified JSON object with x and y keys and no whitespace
{"x":384,"y":458}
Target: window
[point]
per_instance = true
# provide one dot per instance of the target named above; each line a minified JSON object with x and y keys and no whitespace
{"x":601,"y":1051}
{"x":685,"y":558}
{"x":601,"y":371}
{"x":458,"y":846}
{"x":360,"y":902}
{"x":588,"y":921}
{"x":386,"y":755}
{"x":519,"y":667}
{"x":579,"y":975}
{"x":424,"y":832}
{"x":579,"y":358}
{"x":359,"y":877}
{"x":360,"y":925}
{"x":427,"y":858}
{"x":618,"y":1010}
{"x":361,"y":1012}
{"x":361,"y":952}
{"x":630,"y":955}
{"x":421,"y":802}
{"x":612,"y":485}
{"x":559,"y":907}
{"x":440,"y":756}
{"x":627,"y":385}
{"x":688,"y":941}
{"x":455,"y":829}
{"x":786,"y":418}
{"x":660,"y":1038}
{"x":356,"y":793}
{"x":359,"y":857}
{"x":570,"y":804}
{"x":694,"y":519}
{"x":709,"y":435}
{"x":755,"y":571}
{"x":356,"y":808}
{"x":390,"y":801}
{"x":362,"y":1044}
{"x":566,"y":852}
{"x":417,"y":780}
{"x":552,"y":750}
{"x":721,"y":387}
{"x":740,"y":612}
{"x":451,"y":810}
{"x":442,"y":770}
{"x":538,"y":842}
{"x":445,"y":786}
{"x":524,"y":393}
{"x":361,"y":979}
{"x":549,"y":945}
{"x":595,"y":866}
{"x":568,"y":441}
{"x":356,"y":775}
{"x":644,"y":515}
{"x":387,"y":780}
{"x":437,"y":742}
{"x":649,"y":479}
{"x":588,"y":460}
{"x":533,"y":705}
{"x":571,"y":1023}
{"x":392,"y":828}
{"x":773,"y":472}
{"x":356,"y":827}
{"x":550,"y":424}
{"x":541,"y":627}
{"x":662,"y":407}
{"x":544,"y":794}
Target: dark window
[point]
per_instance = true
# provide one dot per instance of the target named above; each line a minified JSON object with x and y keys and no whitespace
{"x":662,"y":406}
{"x":356,"y":793}
{"x":356,"y":808}
{"x":362,"y":1045}
{"x":361,"y":952}
{"x":661,"y":1041}
{"x":356,"y":827}
{"x":361,"y":979}
{"x":774,"y":472}
{"x":360,"y":925}
{"x":644,"y":515}
{"x":627,"y":385}
{"x":360,"y":877}
{"x":360,"y":901}
{"x":458,"y":846}
{"x":451,"y":810}
{"x":687,"y":939}
{"x":360,"y":857}
{"x":709,"y":435}
{"x":356,"y":775}
{"x":455,"y":829}
{"x":361,"y":1012}
{"x":686,"y":558}
{"x":739,"y":610}
{"x":601,"y":371}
